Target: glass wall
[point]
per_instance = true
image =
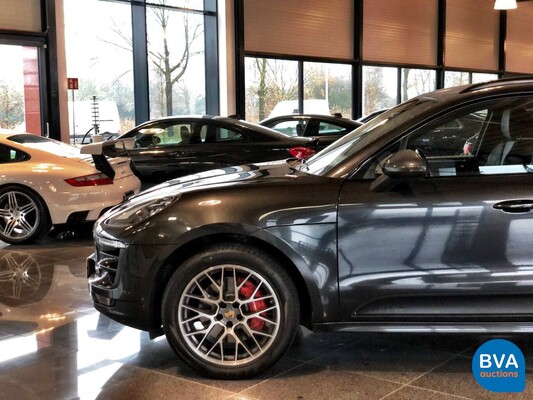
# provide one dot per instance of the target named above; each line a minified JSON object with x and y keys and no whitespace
{"x":102,"y":61}
{"x":20,"y":89}
{"x":176,"y":62}
{"x":380,"y":86}
{"x":271,"y":88}
{"x":456,"y":78}
{"x":170,"y":66}
{"x":327,"y":88}
{"x":417,"y":81}
{"x":478,"y":77}
{"x":383,"y":68}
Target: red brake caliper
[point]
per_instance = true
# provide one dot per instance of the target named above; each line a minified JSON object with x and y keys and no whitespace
{"x":246,"y":291}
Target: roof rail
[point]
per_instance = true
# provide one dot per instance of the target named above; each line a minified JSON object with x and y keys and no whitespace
{"x":498,"y":82}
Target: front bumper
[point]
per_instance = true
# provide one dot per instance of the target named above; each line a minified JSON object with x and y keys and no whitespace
{"x":123,"y":279}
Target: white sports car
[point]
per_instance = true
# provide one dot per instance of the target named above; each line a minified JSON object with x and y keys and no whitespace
{"x":44,"y":182}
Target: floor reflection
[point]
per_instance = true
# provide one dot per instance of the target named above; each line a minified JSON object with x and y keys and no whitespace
{"x":53,"y":345}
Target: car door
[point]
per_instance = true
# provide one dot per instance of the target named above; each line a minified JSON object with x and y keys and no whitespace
{"x":223,"y":145}
{"x":161,"y":150}
{"x":455,"y":245}
{"x":217,"y":146}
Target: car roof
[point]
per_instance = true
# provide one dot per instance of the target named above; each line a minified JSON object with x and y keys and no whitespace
{"x":500,"y":86}
{"x":227,"y":120}
{"x":324,"y":117}
{"x":6,"y":134}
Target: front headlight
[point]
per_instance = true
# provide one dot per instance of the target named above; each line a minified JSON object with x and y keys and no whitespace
{"x":132,"y":214}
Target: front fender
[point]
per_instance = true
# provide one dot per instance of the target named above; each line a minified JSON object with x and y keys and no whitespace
{"x":313,"y":251}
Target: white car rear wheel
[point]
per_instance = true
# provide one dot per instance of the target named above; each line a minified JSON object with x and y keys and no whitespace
{"x":23,"y":217}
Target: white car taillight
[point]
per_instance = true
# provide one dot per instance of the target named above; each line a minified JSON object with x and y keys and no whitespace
{"x":90,"y":180}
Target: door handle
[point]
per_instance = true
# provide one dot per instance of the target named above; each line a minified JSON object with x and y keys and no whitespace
{"x":514,"y":206}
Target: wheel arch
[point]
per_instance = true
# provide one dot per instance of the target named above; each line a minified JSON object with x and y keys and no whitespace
{"x":15,"y":184}
{"x":184,"y":252}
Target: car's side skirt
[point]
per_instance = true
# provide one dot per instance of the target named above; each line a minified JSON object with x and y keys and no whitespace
{"x":414,"y":327}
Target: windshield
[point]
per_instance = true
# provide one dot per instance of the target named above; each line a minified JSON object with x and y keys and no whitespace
{"x":341,"y":150}
{"x":49,"y":145}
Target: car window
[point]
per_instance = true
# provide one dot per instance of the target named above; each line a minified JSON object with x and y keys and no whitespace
{"x":495,"y":137}
{"x":327,"y":128}
{"x":217,"y":134}
{"x":45,"y":144}
{"x":227,"y":135}
{"x":337,"y":155}
{"x":11,"y":155}
{"x":164,"y":134}
{"x":448,"y":137}
{"x":291,"y":128}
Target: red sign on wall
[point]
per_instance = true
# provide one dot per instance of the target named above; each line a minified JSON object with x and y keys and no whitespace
{"x":72,"y":83}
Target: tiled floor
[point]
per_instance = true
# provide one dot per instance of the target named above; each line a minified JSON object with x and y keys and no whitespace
{"x":53,"y":345}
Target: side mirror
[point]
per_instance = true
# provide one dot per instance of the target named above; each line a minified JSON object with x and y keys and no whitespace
{"x":405,"y":164}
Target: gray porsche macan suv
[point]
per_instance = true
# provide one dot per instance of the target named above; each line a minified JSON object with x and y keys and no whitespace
{"x":392,"y":228}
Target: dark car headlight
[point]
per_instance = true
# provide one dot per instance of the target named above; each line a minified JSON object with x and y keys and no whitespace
{"x":137,"y":212}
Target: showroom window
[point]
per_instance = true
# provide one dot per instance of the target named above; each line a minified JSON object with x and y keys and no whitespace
{"x":141,"y":60}
{"x":390,"y":50}
{"x":271,"y":88}
{"x":329,"y":85}
{"x":176,"y":62}
{"x":417,"y":81}
{"x":380,"y":86}
{"x":102,"y":61}
{"x":456,"y":78}
{"x":20,"y":89}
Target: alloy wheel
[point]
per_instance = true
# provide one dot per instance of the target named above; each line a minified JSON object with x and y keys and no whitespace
{"x":229,"y":315}
{"x":19,"y":216}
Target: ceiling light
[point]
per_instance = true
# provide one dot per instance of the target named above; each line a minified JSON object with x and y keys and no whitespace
{"x":505,"y":4}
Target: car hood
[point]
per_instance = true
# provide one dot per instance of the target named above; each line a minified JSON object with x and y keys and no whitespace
{"x":253,"y":197}
{"x":237,"y":175}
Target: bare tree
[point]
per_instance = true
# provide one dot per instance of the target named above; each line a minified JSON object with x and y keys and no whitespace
{"x":171,"y":69}
{"x":273,"y":82}
{"x":375,"y":95}
{"x":416,"y":82}
{"x":261,"y":67}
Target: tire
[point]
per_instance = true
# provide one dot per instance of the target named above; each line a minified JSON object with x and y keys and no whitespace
{"x":230,"y":336}
{"x":23,"y":217}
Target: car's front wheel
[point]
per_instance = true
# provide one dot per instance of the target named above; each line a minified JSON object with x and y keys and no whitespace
{"x":23,"y":217}
{"x":230,"y":311}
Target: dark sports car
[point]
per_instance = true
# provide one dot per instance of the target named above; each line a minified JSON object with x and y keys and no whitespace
{"x":176,"y":146}
{"x":368,"y":235}
{"x":325,"y":128}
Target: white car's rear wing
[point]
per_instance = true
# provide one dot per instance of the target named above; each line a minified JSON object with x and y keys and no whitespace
{"x":97,"y":151}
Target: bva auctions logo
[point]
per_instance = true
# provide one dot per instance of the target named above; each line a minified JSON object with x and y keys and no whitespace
{"x":499,"y":366}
